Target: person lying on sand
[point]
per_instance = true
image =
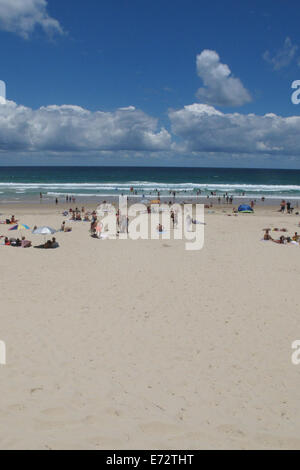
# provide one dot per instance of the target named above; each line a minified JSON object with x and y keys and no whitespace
{"x":50,"y":244}
{"x":281,"y":240}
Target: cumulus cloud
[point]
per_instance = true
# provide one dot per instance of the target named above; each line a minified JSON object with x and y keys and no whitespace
{"x":22,"y":16}
{"x":205,"y":129}
{"x":197,"y":129}
{"x":220,"y":87}
{"x":283,"y":57}
{"x":72,"y":128}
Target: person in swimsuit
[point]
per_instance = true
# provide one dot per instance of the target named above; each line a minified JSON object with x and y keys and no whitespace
{"x":267,"y":235}
{"x":281,"y":240}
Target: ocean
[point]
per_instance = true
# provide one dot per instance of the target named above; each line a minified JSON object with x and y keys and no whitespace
{"x":19,"y":183}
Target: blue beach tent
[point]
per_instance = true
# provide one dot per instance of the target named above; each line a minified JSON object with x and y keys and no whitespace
{"x":245,"y":209}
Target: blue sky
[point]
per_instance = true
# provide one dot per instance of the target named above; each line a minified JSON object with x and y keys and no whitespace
{"x":150,"y":83}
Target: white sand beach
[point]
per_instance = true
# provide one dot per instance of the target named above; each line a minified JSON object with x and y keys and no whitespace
{"x":143,"y":345}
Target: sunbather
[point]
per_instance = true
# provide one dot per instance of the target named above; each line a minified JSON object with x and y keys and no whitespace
{"x":25,"y":243}
{"x":64,"y":228}
{"x":281,"y":240}
{"x":54,"y":243}
{"x":267,"y":235}
{"x":49,"y":244}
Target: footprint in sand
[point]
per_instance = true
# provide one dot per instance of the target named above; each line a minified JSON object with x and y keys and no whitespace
{"x":159,"y":427}
{"x":231,"y":430}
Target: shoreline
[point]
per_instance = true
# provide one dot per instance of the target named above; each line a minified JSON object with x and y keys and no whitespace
{"x":133,"y":199}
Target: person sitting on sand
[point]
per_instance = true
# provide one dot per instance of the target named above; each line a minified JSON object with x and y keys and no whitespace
{"x":25,"y":243}
{"x":48,"y":244}
{"x":6,"y":242}
{"x":63,"y":227}
{"x":267,"y":235}
{"x":295,"y":237}
{"x":160,"y":228}
{"x":54,"y":243}
{"x":15,"y":242}
{"x":51,"y":244}
{"x":13,"y":220}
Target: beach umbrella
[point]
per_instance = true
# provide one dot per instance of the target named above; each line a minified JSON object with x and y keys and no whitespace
{"x":20,"y":227}
{"x":43,"y":231}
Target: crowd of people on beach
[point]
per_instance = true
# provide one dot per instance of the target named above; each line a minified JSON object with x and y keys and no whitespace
{"x":24,"y":243}
{"x":282,"y":240}
{"x":96,"y":226}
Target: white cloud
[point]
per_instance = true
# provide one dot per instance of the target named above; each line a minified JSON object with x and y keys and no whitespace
{"x":198,"y":130}
{"x":72,"y":128}
{"x":204,"y":129}
{"x":283,"y":57}
{"x":22,"y":16}
{"x":220,"y":87}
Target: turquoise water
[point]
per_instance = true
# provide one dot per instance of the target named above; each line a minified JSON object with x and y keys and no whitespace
{"x":17,"y":183}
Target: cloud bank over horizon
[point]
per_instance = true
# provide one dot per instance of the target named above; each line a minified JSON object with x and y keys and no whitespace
{"x":196,"y":128}
{"x":203,"y":128}
{"x":23,"y":16}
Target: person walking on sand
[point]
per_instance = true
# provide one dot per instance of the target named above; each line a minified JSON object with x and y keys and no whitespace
{"x":173,"y":218}
{"x":282,"y":206}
